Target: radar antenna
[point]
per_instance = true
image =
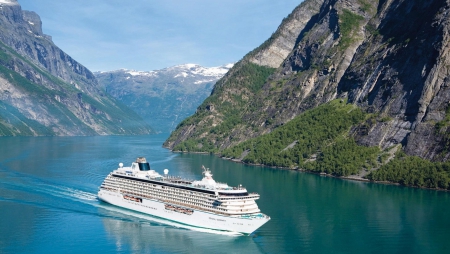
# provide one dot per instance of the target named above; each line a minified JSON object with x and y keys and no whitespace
{"x":206,"y":172}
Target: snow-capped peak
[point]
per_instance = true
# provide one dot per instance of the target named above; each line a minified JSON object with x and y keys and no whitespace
{"x":229,"y":66}
{"x":183,"y":71}
{"x":195,"y":69}
{"x":140,"y":73}
{"x":188,"y":66}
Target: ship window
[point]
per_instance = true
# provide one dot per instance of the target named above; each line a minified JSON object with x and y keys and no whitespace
{"x":144,"y":166}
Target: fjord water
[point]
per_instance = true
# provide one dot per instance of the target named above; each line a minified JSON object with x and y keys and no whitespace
{"x":48,"y":204}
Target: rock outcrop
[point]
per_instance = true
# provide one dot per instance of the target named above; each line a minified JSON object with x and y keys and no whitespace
{"x":389,"y":57}
{"x":275,"y":50}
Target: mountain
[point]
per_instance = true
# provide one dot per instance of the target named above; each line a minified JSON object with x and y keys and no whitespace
{"x":44,"y":91}
{"x":387,"y":59}
{"x":162,"y":97}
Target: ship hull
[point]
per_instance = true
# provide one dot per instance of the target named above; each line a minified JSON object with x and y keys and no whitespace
{"x":195,"y":218}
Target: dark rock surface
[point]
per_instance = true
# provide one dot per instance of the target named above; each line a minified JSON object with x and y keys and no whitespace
{"x":389,"y":57}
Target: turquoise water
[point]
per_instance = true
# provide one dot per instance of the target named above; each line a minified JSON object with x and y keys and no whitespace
{"x":48,"y":204}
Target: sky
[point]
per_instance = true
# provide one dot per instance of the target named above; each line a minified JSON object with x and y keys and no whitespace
{"x":146,"y":35}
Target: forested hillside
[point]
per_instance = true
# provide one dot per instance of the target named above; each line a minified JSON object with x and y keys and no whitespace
{"x":388,"y":59}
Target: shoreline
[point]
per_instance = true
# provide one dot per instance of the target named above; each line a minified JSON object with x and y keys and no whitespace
{"x":350,"y":177}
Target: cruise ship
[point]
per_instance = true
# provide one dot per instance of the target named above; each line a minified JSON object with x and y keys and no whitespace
{"x":204,"y":204}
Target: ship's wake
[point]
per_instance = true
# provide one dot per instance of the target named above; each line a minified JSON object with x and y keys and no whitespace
{"x":29,"y":189}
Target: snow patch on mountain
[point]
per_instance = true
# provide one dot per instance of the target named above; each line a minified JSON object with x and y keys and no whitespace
{"x":204,"y":81}
{"x":163,"y":97}
{"x":180,"y":71}
{"x":182,"y":74}
{"x":195,"y":69}
{"x":141,"y":73}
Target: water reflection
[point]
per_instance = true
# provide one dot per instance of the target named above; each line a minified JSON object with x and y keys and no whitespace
{"x":152,"y":234}
{"x":48,"y":189}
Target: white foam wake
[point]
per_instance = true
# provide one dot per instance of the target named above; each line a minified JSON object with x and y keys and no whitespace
{"x":157,"y":220}
{"x":78,"y":194}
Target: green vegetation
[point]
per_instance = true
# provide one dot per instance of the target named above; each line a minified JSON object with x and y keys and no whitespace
{"x":365,"y":6}
{"x":107,"y":112}
{"x":242,"y":85}
{"x":13,"y":123}
{"x":446,"y":121}
{"x":442,"y":127}
{"x":4,"y":57}
{"x":45,"y":98}
{"x":318,"y":141}
{"x":200,"y":145}
{"x":25,"y":84}
{"x":414,"y":171}
{"x":245,"y":75}
{"x":345,"y":158}
{"x":10,"y":53}
{"x":247,"y":79}
{"x":386,"y":119}
{"x":227,"y":125}
{"x":372,"y":29}
{"x":322,"y":131}
{"x":349,"y":22}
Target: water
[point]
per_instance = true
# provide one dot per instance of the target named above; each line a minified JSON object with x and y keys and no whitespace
{"x":48,"y":204}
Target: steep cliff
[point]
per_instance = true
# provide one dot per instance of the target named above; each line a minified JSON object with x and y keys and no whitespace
{"x":165,"y":97}
{"x":401,"y":72}
{"x":388,"y":57}
{"x":46,"y":92}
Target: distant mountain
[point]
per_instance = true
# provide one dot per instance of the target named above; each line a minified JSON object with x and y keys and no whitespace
{"x":162,"y":97}
{"x":46,"y":92}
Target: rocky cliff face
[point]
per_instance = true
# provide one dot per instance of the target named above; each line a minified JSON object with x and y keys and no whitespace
{"x":400,"y":71}
{"x":162,"y":97}
{"x":389,"y":57}
{"x":45,"y":91}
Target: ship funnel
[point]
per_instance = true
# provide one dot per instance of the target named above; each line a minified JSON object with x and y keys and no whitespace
{"x":141,"y":160}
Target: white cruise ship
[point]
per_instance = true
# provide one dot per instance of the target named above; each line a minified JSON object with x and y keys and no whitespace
{"x":204,"y":204}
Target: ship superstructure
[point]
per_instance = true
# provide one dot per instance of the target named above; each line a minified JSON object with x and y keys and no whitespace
{"x":205,"y":203}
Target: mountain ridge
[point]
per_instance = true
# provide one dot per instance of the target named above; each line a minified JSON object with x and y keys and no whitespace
{"x":356,"y":50}
{"x":46,"y":92}
{"x":162,"y":97}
